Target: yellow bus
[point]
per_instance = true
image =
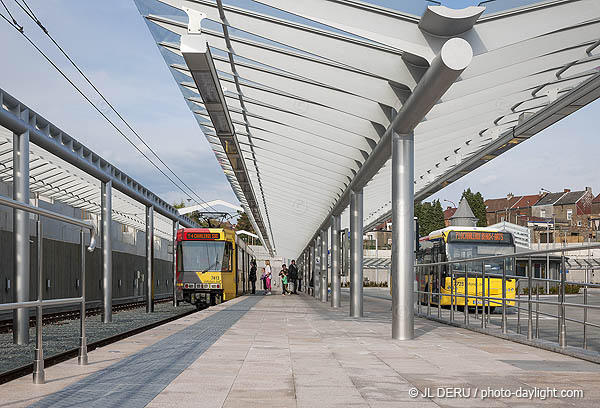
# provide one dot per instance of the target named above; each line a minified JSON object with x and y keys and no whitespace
{"x":458,"y":243}
{"x":212,"y":265}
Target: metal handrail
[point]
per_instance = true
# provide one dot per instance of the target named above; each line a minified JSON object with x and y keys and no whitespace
{"x":515,"y":255}
{"x":56,"y":216}
{"x":483,"y":299}
{"x":38,"y":363}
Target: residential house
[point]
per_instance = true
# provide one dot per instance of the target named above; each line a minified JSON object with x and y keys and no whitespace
{"x":596,"y":205}
{"x":448,"y":212}
{"x":513,"y":209}
{"x":496,"y":209}
{"x":570,"y":212}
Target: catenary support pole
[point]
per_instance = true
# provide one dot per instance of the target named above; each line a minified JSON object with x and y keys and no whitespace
{"x":336,"y":300}
{"x":324,"y":265}
{"x":175,"y":229}
{"x":106,"y":201}
{"x":149,"y":260}
{"x":356,"y":253}
{"x":21,"y":236}
{"x":403,"y":236}
{"x":38,"y":361}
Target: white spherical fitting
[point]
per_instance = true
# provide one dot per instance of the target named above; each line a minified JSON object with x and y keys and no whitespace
{"x":456,"y":54}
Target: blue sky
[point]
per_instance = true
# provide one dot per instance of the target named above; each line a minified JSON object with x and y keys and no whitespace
{"x":111,"y":42}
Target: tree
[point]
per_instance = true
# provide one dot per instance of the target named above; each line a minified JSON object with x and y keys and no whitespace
{"x":477,"y":205}
{"x":430,"y":217}
{"x":193,"y":216}
{"x":243,"y":223}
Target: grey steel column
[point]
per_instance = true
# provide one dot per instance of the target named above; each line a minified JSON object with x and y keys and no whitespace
{"x":149,"y":259}
{"x":324,"y":262}
{"x":336,"y":300}
{"x":403,"y":235}
{"x":356,"y":253}
{"x":175,"y":229}
{"x":315,"y":275}
{"x":106,"y":200}
{"x":21,"y":236}
{"x":305,"y":270}
{"x":38,"y":361}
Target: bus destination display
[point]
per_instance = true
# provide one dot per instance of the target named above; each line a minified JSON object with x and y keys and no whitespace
{"x":202,"y":235}
{"x":479,"y":236}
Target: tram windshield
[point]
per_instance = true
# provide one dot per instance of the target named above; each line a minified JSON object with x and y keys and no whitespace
{"x":206,"y":256}
{"x":464,"y":250}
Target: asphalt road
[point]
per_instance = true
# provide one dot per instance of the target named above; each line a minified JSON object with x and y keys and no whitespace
{"x":546,"y":317}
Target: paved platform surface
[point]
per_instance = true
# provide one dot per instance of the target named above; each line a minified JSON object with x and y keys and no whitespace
{"x":293,"y":351}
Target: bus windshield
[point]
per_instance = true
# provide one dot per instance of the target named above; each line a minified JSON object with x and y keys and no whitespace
{"x":205,"y":256}
{"x":474,"y":250}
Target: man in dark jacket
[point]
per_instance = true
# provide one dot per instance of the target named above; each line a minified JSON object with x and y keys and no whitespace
{"x":252,"y":275}
{"x":293,"y":275}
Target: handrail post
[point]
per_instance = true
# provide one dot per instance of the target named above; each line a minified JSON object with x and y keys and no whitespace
{"x":483,"y":300}
{"x":504,"y":325}
{"x":420,"y":272}
{"x":562,"y":340}
{"x":82,"y":358}
{"x":529,"y":305}
{"x":537,"y":308}
{"x":451,"y":293}
{"x":439,"y":290}
{"x":585,"y":309}
{"x":466,"y":293}
{"x":175,"y":229}
{"x":429,"y":275}
{"x":518,"y":302}
{"x":38,"y":362}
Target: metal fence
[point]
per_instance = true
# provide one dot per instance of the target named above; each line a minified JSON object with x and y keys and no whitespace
{"x":38,"y":363}
{"x":527,"y":304}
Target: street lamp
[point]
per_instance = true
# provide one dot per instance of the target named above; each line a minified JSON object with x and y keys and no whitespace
{"x":451,"y":202}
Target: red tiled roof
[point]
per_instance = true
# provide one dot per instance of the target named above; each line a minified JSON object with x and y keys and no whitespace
{"x":596,"y":199}
{"x":526,"y":201}
{"x":498,"y":204}
{"x":449,"y":212}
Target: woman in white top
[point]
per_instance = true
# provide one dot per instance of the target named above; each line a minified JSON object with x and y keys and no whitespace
{"x":268,"y":276}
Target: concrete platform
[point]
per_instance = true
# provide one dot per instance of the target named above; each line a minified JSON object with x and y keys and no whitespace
{"x":293,"y":351}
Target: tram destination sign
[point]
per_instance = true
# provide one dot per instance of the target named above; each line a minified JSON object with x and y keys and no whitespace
{"x":202,"y":235}
{"x":480,"y":236}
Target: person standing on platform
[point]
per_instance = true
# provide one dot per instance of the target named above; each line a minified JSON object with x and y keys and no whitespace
{"x":252,"y":275}
{"x":268,"y":276}
{"x":283,"y":274}
{"x":293,"y":276}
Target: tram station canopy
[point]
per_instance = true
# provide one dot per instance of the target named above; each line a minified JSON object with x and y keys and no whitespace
{"x":294,"y":96}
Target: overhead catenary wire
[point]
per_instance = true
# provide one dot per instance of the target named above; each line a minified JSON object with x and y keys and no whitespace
{"x":29,"y":12}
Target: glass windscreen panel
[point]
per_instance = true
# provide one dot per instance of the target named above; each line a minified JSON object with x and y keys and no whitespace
{"x":206,"y":256}
{"x":466,"y":250}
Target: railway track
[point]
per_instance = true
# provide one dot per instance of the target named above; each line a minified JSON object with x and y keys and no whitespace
{"x":49,"y":318}
{"x":71,"y":353}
